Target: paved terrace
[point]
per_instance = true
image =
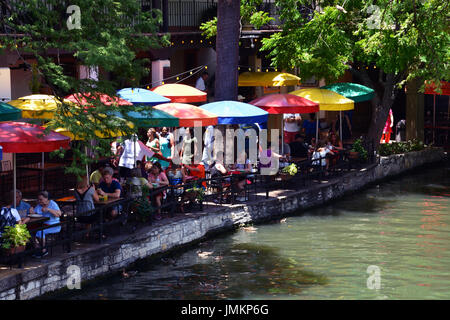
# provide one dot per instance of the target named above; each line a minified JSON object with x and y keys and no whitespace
{"x":50,"y":273}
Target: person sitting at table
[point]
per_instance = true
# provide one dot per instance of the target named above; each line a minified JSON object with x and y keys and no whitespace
{"x":320,"y":156}
{"x":159,"y":179}
{"x":96,"y":176}
{"x":299,"y":148}
{"x":111,"y":188}
{"x":197,"y":170}
{"x":21,"y":206}
{"x":8,"y":217}
{"x":85,"y":195}
{"x":176,"y":176}
{"x":50,"y":209}
{"x":334,"y":144}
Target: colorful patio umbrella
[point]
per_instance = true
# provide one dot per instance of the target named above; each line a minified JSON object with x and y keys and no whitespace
{"x":82,"y":99}
{"x":328,"y":100}
{"x":9,"y":113}
{"x":430,"y":88}
{"x":233,"y":112}
{"x":141,"y":96}
{"x":287,"y":103}
{"x":281,"y":103}
{"x":188,"y":115}
{"x":21,"y":137}
{"x":267,"y":79}
{"x":180,"y":93}
{"x":151,"y":118}
{"x":36,"y":106}
{"x":353,"y":91}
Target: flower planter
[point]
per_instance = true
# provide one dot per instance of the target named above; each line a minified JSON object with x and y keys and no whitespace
{"x":353,"y":155}
{"x":285,"y":176}
{"x":13,"y":251}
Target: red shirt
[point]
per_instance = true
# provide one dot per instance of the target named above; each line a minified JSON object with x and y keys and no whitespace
{"x":198,"y":174}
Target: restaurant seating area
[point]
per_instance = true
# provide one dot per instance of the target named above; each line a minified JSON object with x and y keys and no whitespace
{"x":219,"y":192}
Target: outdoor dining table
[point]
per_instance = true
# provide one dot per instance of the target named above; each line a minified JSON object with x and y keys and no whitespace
{"x":36,"y":222}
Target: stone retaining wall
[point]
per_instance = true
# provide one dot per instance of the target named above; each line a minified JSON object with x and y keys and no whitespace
{"x":103,"y":259}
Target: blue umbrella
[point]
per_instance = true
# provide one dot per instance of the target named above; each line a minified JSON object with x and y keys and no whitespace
{"x":233,"y":112}
{"x":142,"y":96}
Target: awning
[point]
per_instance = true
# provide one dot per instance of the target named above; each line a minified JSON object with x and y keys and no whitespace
{"x":445,"y":87}
{"x":267,"y":79}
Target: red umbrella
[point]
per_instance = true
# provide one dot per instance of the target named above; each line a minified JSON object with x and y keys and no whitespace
{"x":81,"y":99}
{"x":21,"y":137}
{"x":430,"y":88}
{"x":285,"y":103}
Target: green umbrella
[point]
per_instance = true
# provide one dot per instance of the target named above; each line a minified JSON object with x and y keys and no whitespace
{"x":9,"y":113}
{"x":353,"y":91}
{"x":151,"y":118}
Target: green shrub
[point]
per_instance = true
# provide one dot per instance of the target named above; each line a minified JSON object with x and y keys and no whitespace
{"x":15,"y":236}
{"x":358,"y":147}
{"x":387,"y":149}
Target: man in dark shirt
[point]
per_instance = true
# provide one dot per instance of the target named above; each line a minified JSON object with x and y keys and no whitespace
{"x":299,"y":149}
{"x":111,"y":188}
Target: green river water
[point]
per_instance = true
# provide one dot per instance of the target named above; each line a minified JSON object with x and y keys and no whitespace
{"x":399,"y":228}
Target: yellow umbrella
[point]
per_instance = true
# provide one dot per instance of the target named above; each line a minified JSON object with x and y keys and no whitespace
{"x":98,"y":133}
{"x":328,"y":100}
{"x":37,"y":106}
{"x":267,"y":79}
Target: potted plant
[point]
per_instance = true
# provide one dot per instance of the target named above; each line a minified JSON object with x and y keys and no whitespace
{"x":15,"y":238}
{"x":142,"y":205}
{"x":195,"y":193}
{"x":288,"y":172}
{"x":358,"y":151}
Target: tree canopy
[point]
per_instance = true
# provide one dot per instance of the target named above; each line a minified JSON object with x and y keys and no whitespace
{"x":103,"y":35}
{"x":404,"y":40}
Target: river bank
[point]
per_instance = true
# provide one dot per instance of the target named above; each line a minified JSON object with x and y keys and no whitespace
{"x":97,"y":260}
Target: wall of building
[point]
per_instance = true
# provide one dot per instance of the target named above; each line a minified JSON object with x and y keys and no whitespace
{"x":107,"y":258}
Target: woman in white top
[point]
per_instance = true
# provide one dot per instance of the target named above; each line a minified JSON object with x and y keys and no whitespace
{"x":319,"y":155}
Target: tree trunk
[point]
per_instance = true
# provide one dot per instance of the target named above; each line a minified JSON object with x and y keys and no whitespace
{"x":380,"y":108}
{"x":227,"y":49}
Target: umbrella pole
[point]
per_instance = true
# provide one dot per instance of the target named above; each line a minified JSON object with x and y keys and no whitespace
{"x":340,"y":125}
{"x":87,"y":165}
{"x":282,"y":134}
{"x":14,"y":179}
{"x":317,"y":127}
{"x":134,"y":151}
{"x":43,"y":172}
{"x":434,"y":116}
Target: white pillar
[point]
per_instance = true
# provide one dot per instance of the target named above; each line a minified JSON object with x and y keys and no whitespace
{"x":86,"y":72}
{"x":5,"y":84}
{"x":158,"y":71}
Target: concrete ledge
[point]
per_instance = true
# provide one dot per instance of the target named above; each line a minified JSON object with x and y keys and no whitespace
{"x":97,"y":260}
